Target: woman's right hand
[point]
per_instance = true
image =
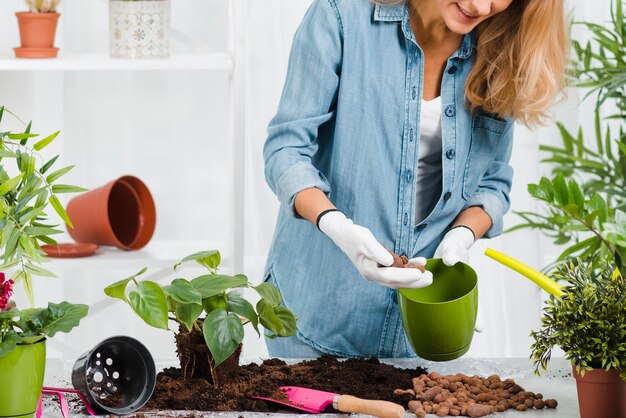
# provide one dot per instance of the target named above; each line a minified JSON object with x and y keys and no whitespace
{"x":370,"y":258}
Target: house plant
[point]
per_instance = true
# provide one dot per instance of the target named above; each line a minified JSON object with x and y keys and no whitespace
{"x":209,"y":313}
{"x":589,"y":323}
{"x":139,"y":28}
{"x":597,"y":165}
{"x":37,"y":29}
{"x":24,"y":197}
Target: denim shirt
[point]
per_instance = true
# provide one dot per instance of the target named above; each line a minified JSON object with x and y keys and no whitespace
{"x":348,"y":124}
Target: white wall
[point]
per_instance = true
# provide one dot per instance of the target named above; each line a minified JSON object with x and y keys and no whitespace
{"x":171,"y":128}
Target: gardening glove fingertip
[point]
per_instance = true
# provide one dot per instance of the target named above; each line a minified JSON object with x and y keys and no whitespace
{"x":424,"y":279}
{"x":419,"y":261}
{"x":378,"y":253}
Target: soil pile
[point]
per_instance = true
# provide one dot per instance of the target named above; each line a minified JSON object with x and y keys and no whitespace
{"x":365,"y":378}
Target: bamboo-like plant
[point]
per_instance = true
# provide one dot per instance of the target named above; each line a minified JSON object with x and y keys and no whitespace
{"x":27,"y":190}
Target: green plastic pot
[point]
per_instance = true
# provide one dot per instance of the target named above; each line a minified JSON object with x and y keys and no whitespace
{"x":21,"y":379}
{"x":439,"y":319}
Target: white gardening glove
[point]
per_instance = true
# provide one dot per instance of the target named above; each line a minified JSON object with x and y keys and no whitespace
{"x":368,"y":255}
{"x":455,"y":246}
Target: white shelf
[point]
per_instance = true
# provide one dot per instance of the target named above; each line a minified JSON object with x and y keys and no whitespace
{"x":157,"y":254}
{"x":102,"y":62}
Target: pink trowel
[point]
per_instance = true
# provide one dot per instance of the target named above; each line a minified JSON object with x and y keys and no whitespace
{"x":315,"y":401}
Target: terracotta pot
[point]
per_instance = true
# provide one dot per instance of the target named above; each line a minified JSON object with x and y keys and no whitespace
{"x":601,"y":394}
{"x":37,"y":31}
{"x":120,"y":213}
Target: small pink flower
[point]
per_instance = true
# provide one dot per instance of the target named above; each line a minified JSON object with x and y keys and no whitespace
{"x":6,"y":290}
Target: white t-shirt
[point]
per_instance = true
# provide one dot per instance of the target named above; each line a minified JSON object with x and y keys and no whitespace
{"x":428,"y":181}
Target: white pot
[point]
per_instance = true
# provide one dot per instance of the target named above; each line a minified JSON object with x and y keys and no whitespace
{"x":139,"y":29}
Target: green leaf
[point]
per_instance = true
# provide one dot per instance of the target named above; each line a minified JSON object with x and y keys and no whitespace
{"x":58,"y":207}
{"x":188,"y":313}
{"x":9,"y":250}
{"x":21,"y":136}
{"x":63,"y":317}
{"x":223,"y":332}
{"x":240,"y":306}
{"x":66,"y":188}
{"x":598,"y":204}
{"x":150,"y":303}
{"x":39,"y":271}
{"x":7,"y":154}
{"x":183,"y":292}
{"x":55,"y":175}
{"x":287,"y":320}
{"x":118,"y":289}
{"x":34,"y":231}
{"x":268,"y":318}
{"x":213,"y":284}
{"x":560,"y":190}
{"x":42,"y":144}
{"x":10,"y":184}
{"x":28,"y":286}
{"x":270,"y":293}
{"x":575,"y":194}
{"x":9,"y":342}
{"x":209,"y":259}
{"x":48,"y":164}
{"x":31,"y":214}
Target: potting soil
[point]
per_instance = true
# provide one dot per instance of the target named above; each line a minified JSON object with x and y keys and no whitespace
{"x":365,"y":378}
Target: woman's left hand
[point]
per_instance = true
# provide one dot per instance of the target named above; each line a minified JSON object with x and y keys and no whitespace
{"x":455,"y":245}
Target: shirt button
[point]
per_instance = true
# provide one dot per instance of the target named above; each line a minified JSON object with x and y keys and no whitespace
{"x":409,"y":176}
{"x":450,"y":154}
{"x":414,"y":93}
{"x":411,"y":135}
{"x":421,"y":227}
{"x":406,"y":219}
{"x":450,"y":111}
{"x":447,"y":196}
{"x":452,"y":69}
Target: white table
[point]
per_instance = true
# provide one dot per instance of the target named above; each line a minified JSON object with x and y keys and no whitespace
{"x":556,"y":383}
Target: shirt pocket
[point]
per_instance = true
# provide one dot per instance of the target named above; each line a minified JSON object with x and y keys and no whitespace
{"x":487,"y":132}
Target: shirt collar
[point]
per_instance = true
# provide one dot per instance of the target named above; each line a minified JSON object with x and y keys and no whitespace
{"x":389,"y":13}
{"x":398,"y":13}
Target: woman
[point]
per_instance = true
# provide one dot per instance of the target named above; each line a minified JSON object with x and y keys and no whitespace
{"x":394,"y":132}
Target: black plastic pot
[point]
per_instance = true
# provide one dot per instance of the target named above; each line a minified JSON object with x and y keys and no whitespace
{"x":117,"y":376}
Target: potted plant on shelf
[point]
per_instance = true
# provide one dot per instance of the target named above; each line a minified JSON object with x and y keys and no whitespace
{"x":24,"y":197}
{"x":37,"y":29}
{"x":589,"y":323}
{"x":209,"y":312}
{"x":139,"y":28}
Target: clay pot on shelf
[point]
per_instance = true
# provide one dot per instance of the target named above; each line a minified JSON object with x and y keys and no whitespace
{"x":37,"y":32}
{"x":120,"y":214}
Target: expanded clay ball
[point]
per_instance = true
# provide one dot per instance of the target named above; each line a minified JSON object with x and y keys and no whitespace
{"x":472,"y":396}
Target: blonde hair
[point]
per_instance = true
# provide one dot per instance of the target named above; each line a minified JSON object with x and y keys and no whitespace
{"x":520,"y":61}
{"x":521,"y":56}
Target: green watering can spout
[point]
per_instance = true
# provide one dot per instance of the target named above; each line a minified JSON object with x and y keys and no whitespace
{"x":540,"y":279}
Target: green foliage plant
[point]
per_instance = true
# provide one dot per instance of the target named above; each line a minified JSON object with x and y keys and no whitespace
{"x":210,"y":304}
{"x":588,"y":322}
{"x":28,"y":188}
{"x":586,"y":194}
{"x":30,"y":326}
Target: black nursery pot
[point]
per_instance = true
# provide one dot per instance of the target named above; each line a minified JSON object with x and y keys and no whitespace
{"x":117,"y":376}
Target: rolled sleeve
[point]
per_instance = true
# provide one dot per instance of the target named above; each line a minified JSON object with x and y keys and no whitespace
{"x":296,"y":178}
{"x":307,"y":102}
{"x":494,"y":207}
